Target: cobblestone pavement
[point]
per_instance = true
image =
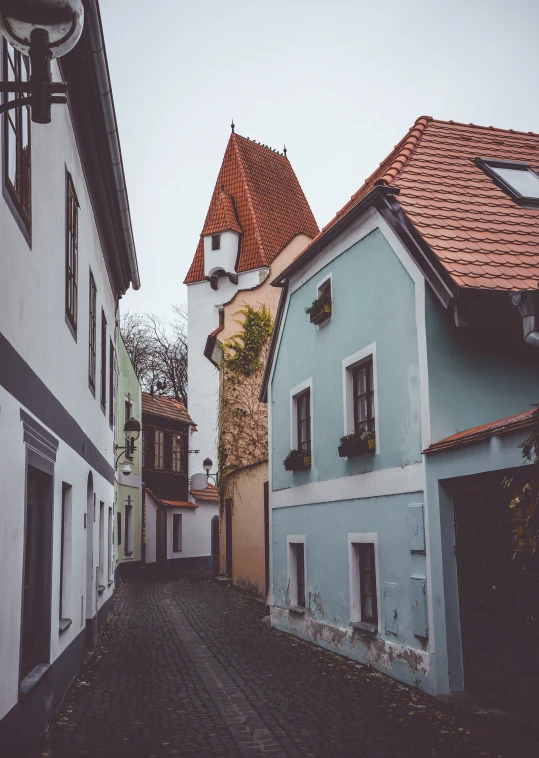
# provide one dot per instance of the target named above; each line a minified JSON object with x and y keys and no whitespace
{"x":188,"y":668}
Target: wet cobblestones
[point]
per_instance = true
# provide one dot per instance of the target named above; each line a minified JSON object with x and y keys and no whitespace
{"x":187,"y":668}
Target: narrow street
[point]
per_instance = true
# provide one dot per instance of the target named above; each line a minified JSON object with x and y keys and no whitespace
{"x":188,"y":668}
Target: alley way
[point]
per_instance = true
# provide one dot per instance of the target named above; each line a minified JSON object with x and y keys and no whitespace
{"x":187,"y":668}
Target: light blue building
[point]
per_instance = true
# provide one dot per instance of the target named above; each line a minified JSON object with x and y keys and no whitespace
{"x":412,"y":337}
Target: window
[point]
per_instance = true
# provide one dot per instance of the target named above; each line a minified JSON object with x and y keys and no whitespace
{"x":111,"y":561}
{"x":363,"y":396}
{"x":176,"y":453}
{"x":221,"y":316}
{"x":119,"y":527}
{"x":101,"y":569}
{"x":72,"y":251}
{"x":177,"y":532}
{"x":93,"y":328}
{"x":324,"y":291}
{"x":103,"y":360}
{"x":129,"y":441}
{"x":296,"y":578}
{"x":516,"y":178}
{"x":65,"y":550}
{"x":216,"y":242}
{"x":17,"y":156}
{"x":112,"y":420}
{"x":363,"y":583}
{"x":303,"y":421}
{"x":128,"y":542}
{"x":159,"y":450}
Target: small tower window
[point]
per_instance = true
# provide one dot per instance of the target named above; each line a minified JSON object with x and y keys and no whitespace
{"x":221,"y":316}
{"x":216,"y":242}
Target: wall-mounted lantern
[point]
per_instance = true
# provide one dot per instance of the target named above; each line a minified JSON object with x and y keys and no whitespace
{"x":42,"y":30}
{"x":132,"y":429}
{"x":207,"y":464}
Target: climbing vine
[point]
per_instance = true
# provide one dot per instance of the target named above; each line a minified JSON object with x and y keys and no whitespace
{"x":243,"y":420}
{"x":526,"y":499}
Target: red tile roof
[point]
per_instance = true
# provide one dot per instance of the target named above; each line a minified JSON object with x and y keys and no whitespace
{"x":168,"y":407}
{"x":223,"y":216}
{"x":480,"y":235}
{"x":172,"y":503}
{"x":209,"y":495}
{"x":268,"y":201}
{"x":484,"y":432}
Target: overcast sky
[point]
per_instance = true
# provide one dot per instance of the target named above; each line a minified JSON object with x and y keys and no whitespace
{"x":339,"y":82}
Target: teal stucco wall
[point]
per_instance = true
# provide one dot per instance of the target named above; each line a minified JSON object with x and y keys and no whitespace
{"x":373,"y":301}
{"x":475,"y":378}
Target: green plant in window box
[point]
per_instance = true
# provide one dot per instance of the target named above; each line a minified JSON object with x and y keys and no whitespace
{"x":320,"y":309}
{"x":296,"y":460}
{"x":362,"y":441}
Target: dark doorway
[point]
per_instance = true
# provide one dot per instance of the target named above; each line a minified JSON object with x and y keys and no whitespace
{"x":161,"y":540}
{"x":36,"y":584}
{"x":215,"y":544}
{"x":266,"y":538}
{"x":228,"y":526}
{"x":91,"y":574}
{"x":498,"y":596}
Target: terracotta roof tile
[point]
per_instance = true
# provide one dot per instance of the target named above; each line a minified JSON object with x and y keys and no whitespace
{"x":479,"y":234}
{"x":479,"y":433}
{"x":171,"y":503}
{"x":268,"y":203}
{"x":209,"y":495}
{"x":223,"y":216}
{"x":168,"y":407}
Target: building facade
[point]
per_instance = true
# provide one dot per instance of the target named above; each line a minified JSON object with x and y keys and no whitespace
{"x":410,"y":336}
{"x":178,"y":512}
{"x":258,"y":221}
{"x":128,"y":487}
{"x":67,"y":258}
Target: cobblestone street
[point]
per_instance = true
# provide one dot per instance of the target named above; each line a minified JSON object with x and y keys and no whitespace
{"x":187,"y":668}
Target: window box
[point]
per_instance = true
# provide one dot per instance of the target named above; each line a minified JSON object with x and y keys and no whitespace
{"x":357,"y":444}
{"x":320,"y":314}
{"x":296,"y":460}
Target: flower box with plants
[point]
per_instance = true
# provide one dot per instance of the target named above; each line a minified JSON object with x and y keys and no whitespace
{"x":320,"y":309}
{"x":296,"y":460}
{"x":357,"y":444}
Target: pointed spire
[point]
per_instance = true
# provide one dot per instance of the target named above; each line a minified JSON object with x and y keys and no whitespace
{"x":232,"y":125}
{"x":284,"y":151}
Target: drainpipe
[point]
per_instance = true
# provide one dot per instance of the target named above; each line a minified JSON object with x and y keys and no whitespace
{"x":528,"y":305}
{"x":97,"y":44}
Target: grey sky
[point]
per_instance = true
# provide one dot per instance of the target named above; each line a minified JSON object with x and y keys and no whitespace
{"x":339,"y":82}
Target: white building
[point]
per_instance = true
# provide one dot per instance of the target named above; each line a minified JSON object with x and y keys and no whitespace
{"x":256,"y":210}
{"x":67,"y":257}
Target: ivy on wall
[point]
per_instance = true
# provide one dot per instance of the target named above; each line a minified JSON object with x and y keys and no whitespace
{"x":243,"y":420}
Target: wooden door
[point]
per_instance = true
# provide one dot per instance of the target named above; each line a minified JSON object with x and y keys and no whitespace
{"x":215,"y":545}
{"x":498,"y":596}
{"x":266,"y":538}
{"x":33,"y":610}
{"x":161,"y":540}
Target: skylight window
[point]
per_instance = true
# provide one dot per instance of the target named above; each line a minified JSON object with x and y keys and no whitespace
{"x":516,"y":178}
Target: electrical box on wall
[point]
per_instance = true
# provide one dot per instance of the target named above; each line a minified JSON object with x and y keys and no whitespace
{"x":390,"y":607}
{"x":418,"y":594}
{"x":416,"y":528}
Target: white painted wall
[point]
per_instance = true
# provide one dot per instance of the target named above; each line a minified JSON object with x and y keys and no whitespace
{"x":32,"y":318}
{"x":196,"y":525}
{"x":203,"y":378}
{"x":224,"y":258}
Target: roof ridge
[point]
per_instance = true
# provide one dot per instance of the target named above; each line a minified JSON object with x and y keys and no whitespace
{"x":260,"y":144}
{"x":409,"y":144}
{"x":486,"y":128}
{"x":233,"y":137}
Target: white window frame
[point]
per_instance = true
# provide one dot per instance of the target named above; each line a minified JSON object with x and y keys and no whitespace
{"x":294,"y":393}
{"x":354,"y":577}
{"x":348,"y":364}
{"x":292,"y":569}
{"x":328,"y":277}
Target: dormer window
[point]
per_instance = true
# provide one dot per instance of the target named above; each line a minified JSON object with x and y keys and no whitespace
{"x":216,"y":242}
{"x":515,"y":178}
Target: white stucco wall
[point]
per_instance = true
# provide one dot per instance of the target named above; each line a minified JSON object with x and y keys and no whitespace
{"x":196,"y":530}
{"x":32,"y":319}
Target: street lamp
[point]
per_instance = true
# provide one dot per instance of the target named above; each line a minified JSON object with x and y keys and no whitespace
{"x":207,"y":464}
{"x":41,"y":29}
{"x":132,"y":429}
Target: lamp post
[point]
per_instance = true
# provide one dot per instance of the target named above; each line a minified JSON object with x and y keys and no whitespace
{"x":207,"y":464}
{"x":42,"y":30}
{"x":132,"y":431}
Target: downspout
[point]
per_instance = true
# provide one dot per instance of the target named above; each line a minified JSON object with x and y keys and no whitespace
{"x":528,"y":305}
{"x":97,"y":45}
